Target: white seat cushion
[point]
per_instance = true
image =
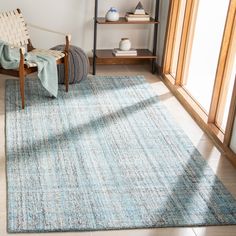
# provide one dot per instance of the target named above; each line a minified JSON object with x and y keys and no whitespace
{"x":56,"y":54}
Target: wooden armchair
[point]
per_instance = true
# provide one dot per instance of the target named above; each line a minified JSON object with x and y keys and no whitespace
{"x":13,"y":30}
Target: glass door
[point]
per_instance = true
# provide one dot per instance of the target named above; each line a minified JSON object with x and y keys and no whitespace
{"x":233,"y":138}
{"x":177,"y":37}
{"x":204,"y":47}
{"x":227,"y":85}
{"x":199,"y":65}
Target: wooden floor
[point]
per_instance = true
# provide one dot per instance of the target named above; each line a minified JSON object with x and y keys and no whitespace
{"x":219,"y":164}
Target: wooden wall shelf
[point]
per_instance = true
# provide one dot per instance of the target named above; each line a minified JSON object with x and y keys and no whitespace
{"x":143,"y":54}
{"x":123,"y":21}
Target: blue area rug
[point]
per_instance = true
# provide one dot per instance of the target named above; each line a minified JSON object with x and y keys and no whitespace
{"x":107,"y":155}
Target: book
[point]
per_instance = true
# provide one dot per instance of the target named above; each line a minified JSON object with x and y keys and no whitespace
{"x":137,"y":19}
{"x":132,"y":15}
{"x":125,"y":55}
{"x":131,"y":51}
{"x":119,"y":53}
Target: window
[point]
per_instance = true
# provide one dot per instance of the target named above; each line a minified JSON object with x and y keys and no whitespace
{"x":204,"y":50}
{"x":233,"y":139}
{"x":227,"y":85}
{"x":177,"y":39}
{"x":200,"y":63}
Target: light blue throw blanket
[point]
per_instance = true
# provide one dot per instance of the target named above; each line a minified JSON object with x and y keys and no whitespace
{"x":47,"y":68}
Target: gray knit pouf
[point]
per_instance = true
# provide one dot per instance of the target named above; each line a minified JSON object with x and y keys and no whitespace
{"x":78,"y":65}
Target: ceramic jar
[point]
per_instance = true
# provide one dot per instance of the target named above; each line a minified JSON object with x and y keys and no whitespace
{"x":112,"y":15}
{"x":125,"y":44}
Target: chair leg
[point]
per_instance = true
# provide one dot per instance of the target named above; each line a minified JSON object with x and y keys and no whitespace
{"x":22,"y":89}
{"x":66,"y":64}
{"x":22,"y":78}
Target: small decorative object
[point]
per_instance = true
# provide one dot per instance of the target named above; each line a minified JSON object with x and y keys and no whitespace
{"x":139,"y":10}
{"x":112,"y":15}
{"x":125,"y":44}
{"x":138,"y":15}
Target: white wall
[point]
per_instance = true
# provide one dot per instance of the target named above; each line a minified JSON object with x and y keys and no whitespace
{"x":76,"y":17}
{"x":233,"y":139}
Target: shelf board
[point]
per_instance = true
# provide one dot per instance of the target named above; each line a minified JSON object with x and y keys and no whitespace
{"x":142,"y":54}
{"x":122,"y":20}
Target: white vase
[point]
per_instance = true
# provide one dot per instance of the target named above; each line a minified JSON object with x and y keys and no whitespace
{"x":112,"y":15}
{"x":125,"y":44}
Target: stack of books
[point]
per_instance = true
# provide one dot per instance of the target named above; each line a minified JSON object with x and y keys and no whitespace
{"x":137,"y":17}
{"x":119,"y":53}
{"x":138,"y":14}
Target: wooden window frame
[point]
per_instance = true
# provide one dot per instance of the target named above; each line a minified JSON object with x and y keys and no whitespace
{"x":170,"y":37}
{"x":231,"y":118}
{"x":206,"y":122}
